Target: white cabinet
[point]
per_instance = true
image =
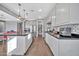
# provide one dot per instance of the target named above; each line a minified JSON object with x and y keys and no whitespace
{"x":74,"y":12}
{"x":53,"y":43}
{"x":68,"y":47}
{"x":53,"y":17}
{"x":22,"y":45}
{"x":11,"y":44}
{"x":62,"y":13}
{"x":63,"y":47}
{"x":28,"y":41}
{"x":66,"y":13}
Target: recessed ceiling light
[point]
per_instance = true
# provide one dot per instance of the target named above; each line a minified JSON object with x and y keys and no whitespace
{"x":32,"y":10}
{"x":17,"y":19}
{"x":62,"y":10}
{"x":39,"y":17}
{"x":31,"y":19}
{"x":28,"y":12}
{"x":53,"y":16}
{"x":40,"y":10}
{"x":18,"y":10}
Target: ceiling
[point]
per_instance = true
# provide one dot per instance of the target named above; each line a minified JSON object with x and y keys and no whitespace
{"x":34,"y":10}
{"x":6,"y":17}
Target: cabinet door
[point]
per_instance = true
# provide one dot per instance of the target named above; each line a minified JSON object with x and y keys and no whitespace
{"x":54,"y":45}
{"x":47,"y":39}
{"x":20,"y":45}
{"x":62,"y":13}
{"x":11,"y":45}
{"x":74,"y":12}
{"x":53,"y":17}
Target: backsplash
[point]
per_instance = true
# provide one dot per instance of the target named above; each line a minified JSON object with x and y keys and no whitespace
{"x":68,"y":28}
{"x":75,"y":29}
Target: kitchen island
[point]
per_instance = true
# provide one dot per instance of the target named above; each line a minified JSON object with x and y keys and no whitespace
{"x":17,"y":44}
{"x":21,"y":43}
{"x":62,"y":46}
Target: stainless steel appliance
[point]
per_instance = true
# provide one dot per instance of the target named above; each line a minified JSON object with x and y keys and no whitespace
{"x":65,"y":31}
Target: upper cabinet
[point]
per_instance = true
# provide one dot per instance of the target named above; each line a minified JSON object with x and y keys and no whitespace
{"x":74,"y":12}
{"x":53,"y":17}
{"x":65,"y":13}
{"x":62,"y":13}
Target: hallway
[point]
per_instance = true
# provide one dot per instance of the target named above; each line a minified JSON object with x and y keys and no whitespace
{"x":39,"y":48}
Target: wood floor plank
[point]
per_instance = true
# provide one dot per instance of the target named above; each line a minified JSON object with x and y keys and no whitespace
{"x":3,"y":49}
{"x":39,"y":48}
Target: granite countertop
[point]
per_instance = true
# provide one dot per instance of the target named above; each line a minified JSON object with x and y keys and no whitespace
{"x":13,"y":34}
{"x":62,"y":37}
{"x":55,"y":35}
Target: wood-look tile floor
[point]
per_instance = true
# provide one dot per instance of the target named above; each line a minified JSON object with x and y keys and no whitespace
{"x":39,"y":48}
{"x":3,"y":49}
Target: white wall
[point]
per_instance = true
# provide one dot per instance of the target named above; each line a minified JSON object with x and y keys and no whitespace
{"x":11,"y":25}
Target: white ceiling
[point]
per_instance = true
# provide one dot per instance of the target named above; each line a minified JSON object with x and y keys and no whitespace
{"x":6,"y":17}
{"x":45,"y":7}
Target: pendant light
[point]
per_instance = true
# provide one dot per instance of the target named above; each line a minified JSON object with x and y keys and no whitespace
{"x":19,"y":16}
{"x":24,"y":14}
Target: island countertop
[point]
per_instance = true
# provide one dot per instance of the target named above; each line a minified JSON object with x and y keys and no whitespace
{"x":1,"y":34}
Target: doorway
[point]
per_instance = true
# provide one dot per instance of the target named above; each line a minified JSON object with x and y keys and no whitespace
{"x":39,"y":29}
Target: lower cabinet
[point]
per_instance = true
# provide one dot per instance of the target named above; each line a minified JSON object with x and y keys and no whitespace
{"x":52,"y":43}
{"x":63,"y":47}
{"x":22,"y":45}
{"x":68,"y":47}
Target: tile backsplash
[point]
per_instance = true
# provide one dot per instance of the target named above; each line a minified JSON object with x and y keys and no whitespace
{"x":75,"y":29}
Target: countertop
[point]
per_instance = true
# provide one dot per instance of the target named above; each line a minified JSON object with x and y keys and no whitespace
{"x":62,"y":37}
{"x":13,"y":34}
